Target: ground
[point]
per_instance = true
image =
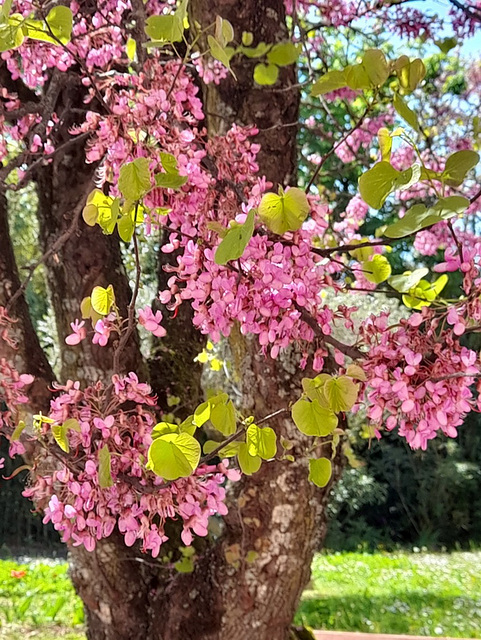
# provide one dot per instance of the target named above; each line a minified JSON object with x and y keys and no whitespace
{"x":412,"y":593}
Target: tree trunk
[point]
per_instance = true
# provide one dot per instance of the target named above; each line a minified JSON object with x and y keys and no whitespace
{"x":247,"y":582}
{"x":28,"y":357}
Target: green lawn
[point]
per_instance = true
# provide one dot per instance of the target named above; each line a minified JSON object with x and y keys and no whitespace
{"x":41,"y":604}
{"x":419,"y":594}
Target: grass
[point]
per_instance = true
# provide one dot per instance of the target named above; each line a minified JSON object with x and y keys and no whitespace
{"x":419,"y":594}
{"x":40,"y":604}
{"x":416,"y":594}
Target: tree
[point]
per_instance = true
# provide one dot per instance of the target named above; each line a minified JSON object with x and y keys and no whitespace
{"x":102,"y":109}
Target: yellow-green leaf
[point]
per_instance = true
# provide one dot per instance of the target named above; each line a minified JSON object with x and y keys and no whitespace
{"x":320,"y":471}
{"x":312,"y":419}
{"x":284,"y":53}
{"x":385,"y":143}
{"x":105,"y":468}
{"x":131,"y":49}
{"x":409,"y":279}
{"x":102,"y":299}
{"x":330,"y":81}
{"x":266,"y":74}
{"x":356,"y":372}
{"x":60,"y":21}
{"x":376,"y":66}
{"x":406,"y":113}
{"x":134,"y":179}
{"x":377,"y":269}
{"x":457,"y":166}
{"x":248,"y":464}
{"x":59,"y":433}
{"x":284,"y":212}
{"x":235,"y":241}
{"x":382,"y":179}
{"x":17,"y":431}
{"x":174,"y":455}
{"x":341,"y":393}
{"x":261,"y":442}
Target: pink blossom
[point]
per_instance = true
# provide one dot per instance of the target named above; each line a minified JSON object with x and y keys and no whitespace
{"x":152,"y":321}
{"x":79,"y":332}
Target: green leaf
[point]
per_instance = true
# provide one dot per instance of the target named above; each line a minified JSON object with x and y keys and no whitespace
{"x":134,"y":179}
{"x":220,"y":411}
{"x":222,"y":415}
{"x":284,"y":212}
{"x":161,"y":428}
{"x":419,"y":217}
{"x":170,"y":180}
{"x":174,"y":455}
{"x":357,"y":77}
{"x":126,"y":227}
{"x":320,"y":471}
{"x":341,"y":393}
{"x":407,"y":280}
{"x":314,"y":389}
{"x":168,"y":28}
{"x":105,"y":465}
{"x":407,"y":114}
{"x":11,"y":35}
{"x":385,"y":143}
{"x":457,"y":166}
{"x":330,"y":81}
{"x":376,"y":66}
{"x":102,"y":299}
{"x":410,"y":73}
{"x":247,"y":38}
{"x":266,"y":74}
{"x":131,"y":49}
{"x":377,"y":269}
{"x":18,"y":431}
{"x":312,"y":419}
{"x":221,"y":53}
{"x":284,"y":53}
{"x":446,"y":44}
{"x":356,"y":372}
{"x":382,"y":179}
{"x":235,"y":241}
{"x":59,"y":432}
{"x":248,"y":464}
{"x":424,"y":293}
{"x":5,"y":9}
{"x":224,"y":32}
{"x":60,"y":21}
{"x":261,"y":442}
{"x":229,"y":451}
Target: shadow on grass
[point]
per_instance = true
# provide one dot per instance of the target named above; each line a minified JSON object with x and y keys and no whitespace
{"x":410,"y":613}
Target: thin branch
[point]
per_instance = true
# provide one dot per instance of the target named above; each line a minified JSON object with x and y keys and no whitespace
{"x":336,"y":146}
{"x":131,"y":309}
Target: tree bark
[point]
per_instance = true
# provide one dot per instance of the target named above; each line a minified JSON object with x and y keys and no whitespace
{"x":276,"y":514}
{"x":28,"y":357}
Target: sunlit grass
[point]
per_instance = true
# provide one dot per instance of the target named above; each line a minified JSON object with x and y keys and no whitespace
{"x":38,"y":599}
{"x":416,"y":594}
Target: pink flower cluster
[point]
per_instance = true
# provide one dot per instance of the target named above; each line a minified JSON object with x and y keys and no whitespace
{"x":418,"y":381}
{"x":138,"y":502}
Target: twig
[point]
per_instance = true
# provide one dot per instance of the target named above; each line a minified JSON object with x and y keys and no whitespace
{"x":131,"y":309}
